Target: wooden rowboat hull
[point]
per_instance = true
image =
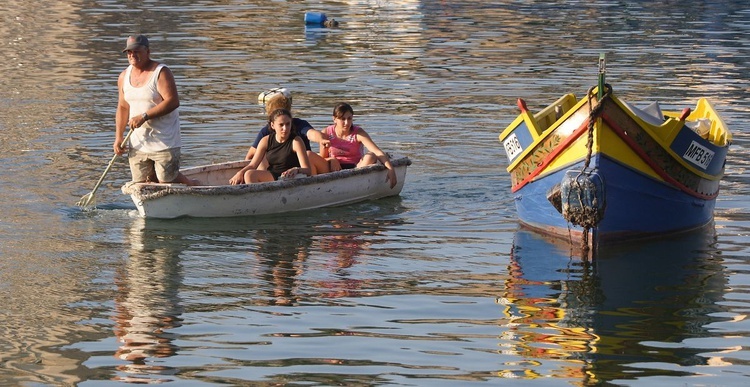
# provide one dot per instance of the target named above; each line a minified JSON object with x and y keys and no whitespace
{"x":216,"y":199}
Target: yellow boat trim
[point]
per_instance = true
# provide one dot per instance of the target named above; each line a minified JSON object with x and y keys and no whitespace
{"x":619,"y":134}
{"x":665,"y":134}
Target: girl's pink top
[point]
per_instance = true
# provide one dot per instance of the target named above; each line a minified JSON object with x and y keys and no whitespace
{"x":347,"y":150}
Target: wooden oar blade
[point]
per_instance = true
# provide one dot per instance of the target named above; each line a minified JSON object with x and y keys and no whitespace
{"x":86,"y":201}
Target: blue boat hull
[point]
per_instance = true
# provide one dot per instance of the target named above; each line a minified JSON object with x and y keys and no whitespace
{"x":636,"y":204}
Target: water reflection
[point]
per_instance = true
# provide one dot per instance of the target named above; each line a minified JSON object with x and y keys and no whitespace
{"x":345,"y":242}
{"x":272,"y":260}
{"x":336,"y":243}
{"x":420,"y":73}
{"x":281,"y":255}
{"x":147,"y":307}
{"x":314,"y":34}
{"x":600,"y":321}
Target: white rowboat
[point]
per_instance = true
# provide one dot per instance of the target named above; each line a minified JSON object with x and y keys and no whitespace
{"x":217,"y":199}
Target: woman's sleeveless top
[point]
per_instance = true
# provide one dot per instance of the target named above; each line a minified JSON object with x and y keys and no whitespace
{"x":281,"y":156}
{"x":347,"y":150}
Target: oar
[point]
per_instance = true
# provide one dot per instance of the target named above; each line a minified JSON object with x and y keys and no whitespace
{"x":89,"y":198}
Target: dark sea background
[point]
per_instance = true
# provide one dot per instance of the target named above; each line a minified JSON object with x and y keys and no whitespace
{"x":435,"y":287}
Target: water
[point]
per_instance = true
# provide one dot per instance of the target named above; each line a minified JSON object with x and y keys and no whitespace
{"x":435,"y":287}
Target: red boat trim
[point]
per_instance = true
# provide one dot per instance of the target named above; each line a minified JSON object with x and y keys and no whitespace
{"x":552,"y":155}
{"x":648,"y":160}
{"x":522,"y":105}
{"x":633,"y":146}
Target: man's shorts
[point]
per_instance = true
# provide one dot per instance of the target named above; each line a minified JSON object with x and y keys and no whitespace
{"x":165,"y":165}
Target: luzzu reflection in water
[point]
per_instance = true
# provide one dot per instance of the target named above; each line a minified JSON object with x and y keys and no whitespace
{"x":610,"y":318}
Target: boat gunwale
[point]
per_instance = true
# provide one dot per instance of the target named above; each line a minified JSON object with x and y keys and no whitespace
{"x":541,"y":137}
{"x":670,"y":124}
{"x":663,"y":174}
{"x":150,"y":191}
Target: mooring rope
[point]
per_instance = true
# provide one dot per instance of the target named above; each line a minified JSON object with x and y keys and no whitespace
{"x":588,"y":219}
{"x":594,"y":114}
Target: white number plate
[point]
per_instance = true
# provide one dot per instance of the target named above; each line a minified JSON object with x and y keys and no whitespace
{"x":512,"y":146}
{"x":699,"y":155}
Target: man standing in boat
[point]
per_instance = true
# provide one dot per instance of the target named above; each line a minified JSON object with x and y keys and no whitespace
{"x":148,"y":103}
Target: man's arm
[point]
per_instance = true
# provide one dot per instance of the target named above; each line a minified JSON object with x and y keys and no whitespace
{"x":121,"y":116}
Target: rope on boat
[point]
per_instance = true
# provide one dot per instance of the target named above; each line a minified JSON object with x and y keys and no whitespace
{"x":588,"y":215}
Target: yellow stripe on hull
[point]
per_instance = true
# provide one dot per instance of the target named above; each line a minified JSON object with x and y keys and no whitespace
{"x":622,"y":136}
{"x":616,"y":149}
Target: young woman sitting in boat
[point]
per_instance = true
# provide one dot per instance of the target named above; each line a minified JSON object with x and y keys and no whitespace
{"x":345,"y":150}
{"x":303,"y":128}
{"x":283,"y":149}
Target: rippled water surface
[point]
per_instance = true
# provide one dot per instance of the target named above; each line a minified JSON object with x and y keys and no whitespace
{"x":435,"y":287}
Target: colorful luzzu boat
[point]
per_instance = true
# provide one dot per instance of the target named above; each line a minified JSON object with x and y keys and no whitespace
{"x":599,"y":169}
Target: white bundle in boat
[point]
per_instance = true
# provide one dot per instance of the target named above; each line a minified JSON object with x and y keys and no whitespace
{"x":702,"y":126}
{"x":264,"y":96}
{"x":651,"y":113}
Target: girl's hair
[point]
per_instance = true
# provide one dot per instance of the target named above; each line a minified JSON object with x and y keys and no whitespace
{"x":281,"y":112}
{"x":342,"y":108}
{"x":276,"y":113}
{"x":278,"y":101}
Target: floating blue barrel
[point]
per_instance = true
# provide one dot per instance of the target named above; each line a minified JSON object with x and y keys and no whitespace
{"x":317,"y":18}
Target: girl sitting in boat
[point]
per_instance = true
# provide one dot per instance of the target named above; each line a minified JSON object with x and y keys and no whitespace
{"x":345,"y":150}
{"x":284,"y":150}
{"x":303,"y":128}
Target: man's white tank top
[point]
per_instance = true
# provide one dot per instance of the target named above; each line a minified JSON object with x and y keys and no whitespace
{"x":156,"y":134}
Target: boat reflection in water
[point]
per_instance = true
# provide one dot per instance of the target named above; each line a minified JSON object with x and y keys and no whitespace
{"x":282,"y":255}
{"x":598,"y":321}
{"x":282,"y":252}
{"x":148,"y":306}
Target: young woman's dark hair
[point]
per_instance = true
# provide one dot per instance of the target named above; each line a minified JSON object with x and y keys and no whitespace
{"x":342,"y":108}
{"x":281,"y":112}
